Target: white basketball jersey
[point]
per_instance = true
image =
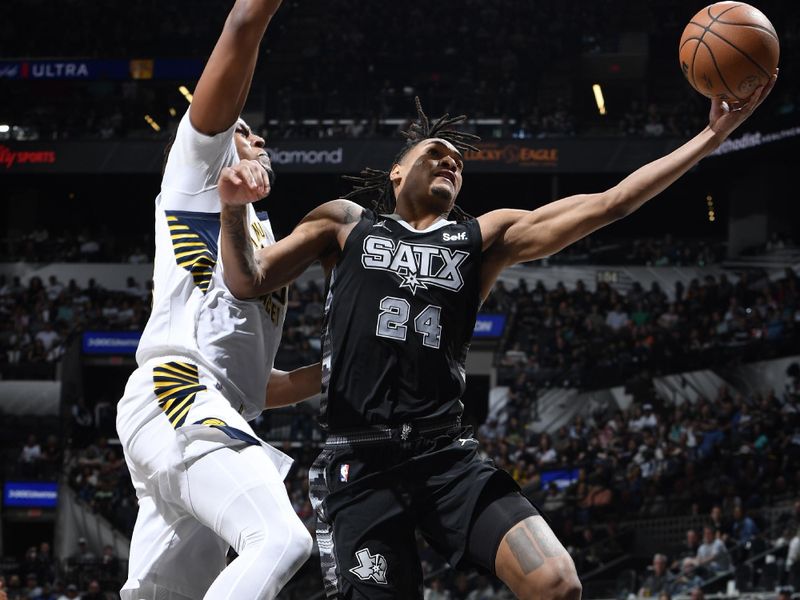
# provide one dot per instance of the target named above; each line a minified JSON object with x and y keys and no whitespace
{"x":194,"y":314}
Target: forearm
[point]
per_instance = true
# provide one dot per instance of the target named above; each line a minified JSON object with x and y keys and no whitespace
{"x":250,"y":18}
{"x":286,"y":388}
{"x":653,"y":178}
{"x":223,"y":87}
{"x":238,"y":257}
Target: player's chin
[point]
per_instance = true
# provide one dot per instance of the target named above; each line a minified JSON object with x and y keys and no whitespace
{"x":443,"y":191}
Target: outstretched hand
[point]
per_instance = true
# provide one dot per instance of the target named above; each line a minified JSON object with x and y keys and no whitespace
{"x":243,"y":183}
{"x":725,"y":118}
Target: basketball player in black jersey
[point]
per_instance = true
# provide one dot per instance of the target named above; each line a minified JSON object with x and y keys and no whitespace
{"x":405,"y":287}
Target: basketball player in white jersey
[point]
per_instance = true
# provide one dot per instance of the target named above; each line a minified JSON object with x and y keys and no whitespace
{"x":203,"y":478}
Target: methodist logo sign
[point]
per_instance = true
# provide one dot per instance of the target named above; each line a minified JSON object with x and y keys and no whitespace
{"x":111,"y":342}
{"x":38,"y":494}
{"x":489,"y":326}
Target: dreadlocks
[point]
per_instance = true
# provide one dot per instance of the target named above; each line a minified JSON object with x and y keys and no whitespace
{"x":375,"y":186}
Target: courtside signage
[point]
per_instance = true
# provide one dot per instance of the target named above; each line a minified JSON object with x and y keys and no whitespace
{"x":30,"y":494}
{"x":111,"y":342}
{"x":489,"y":326}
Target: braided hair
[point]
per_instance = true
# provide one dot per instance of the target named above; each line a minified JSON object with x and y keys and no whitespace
{"x":375,"y":186}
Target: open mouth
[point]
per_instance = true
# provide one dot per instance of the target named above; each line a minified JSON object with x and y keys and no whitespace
{"x":447,"y":175}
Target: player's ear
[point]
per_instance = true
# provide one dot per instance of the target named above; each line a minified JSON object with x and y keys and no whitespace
{"x":396,"y":174}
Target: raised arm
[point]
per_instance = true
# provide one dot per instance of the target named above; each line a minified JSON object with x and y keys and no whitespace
{"x":223,"y":87}
{"x":514,"y":236}
{"x":250,"y":273}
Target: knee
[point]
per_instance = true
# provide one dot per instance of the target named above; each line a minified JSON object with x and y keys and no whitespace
{"x":301,"y":544}
{"x":289,"y":544}
{"x":569,"y":587}
{"x":556,"y":582}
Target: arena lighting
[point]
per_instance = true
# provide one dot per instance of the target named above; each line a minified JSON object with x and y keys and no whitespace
{"x":152,"y":123}
{"x":4,"y":128}
{"x":172,"y":111}
{"x":186,"y":93}
{"x":710,"y":203}
{"x":598,"y":98}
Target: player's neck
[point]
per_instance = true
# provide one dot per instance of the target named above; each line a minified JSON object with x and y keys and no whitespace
{"x":418,"y":217}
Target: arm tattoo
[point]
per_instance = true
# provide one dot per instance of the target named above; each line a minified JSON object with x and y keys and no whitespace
{"x":349,"y":216}
{"x":524,"y":551}
{"x":234,"y":222}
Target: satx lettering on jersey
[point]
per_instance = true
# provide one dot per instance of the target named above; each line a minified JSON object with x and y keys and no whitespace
{"x":417,"y":265}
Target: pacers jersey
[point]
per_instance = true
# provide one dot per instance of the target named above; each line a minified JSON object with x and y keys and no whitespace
{"x":194,"y":314}
{"x":399,"y":316}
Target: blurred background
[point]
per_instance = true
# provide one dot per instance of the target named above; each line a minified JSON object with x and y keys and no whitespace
{"x":642,"y":386}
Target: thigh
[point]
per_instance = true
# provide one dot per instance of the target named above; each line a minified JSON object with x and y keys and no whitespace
{"x":172,"y":554}
{"x":533,"y":563}
{"x":365,"y":534}
{"x":240,"y":495}
{"x":456,"y":482}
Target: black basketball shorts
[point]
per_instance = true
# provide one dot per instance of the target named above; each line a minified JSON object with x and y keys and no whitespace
{"x":371,"y":497}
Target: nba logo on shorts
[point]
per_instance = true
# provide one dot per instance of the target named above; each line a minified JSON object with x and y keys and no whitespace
{"x":344,"y":472}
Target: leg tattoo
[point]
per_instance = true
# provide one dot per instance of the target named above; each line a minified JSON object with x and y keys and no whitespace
{"x":524,"y":551}
{"x":546,"y":539}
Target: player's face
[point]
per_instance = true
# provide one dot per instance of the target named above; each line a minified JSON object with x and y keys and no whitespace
{"x":432,"y":169}
{"x":250,"y":146}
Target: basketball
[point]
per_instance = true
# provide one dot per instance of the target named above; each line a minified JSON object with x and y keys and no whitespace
{"x":727,"y":50}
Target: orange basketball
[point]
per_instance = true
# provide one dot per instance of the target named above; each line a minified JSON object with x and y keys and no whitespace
{"x":727,"y":50}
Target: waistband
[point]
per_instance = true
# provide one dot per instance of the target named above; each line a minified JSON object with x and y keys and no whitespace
{"x":404,"y":433}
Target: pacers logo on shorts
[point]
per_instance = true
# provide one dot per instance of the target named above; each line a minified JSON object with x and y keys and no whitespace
{"x":176,"y":385}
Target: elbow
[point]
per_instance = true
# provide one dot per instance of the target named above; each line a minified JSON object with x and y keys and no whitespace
{"x":248,"y":16}
{"x":616,"y":205}
{"x":241,"y":288}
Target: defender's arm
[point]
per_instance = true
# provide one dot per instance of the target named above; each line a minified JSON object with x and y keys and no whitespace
{"x":289,"y":387}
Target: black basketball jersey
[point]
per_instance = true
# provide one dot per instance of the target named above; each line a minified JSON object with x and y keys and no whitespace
{"x":399,"y":317}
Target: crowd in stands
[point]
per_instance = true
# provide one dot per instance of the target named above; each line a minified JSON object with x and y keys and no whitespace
{"x":579,"y":338}
{"x":84,"y":246}
{"x":37,"y":320}
{"x":651,"y":251}
{"x":39,"y":575}
{"x":651,"y":460}
{"x":103,"y":246}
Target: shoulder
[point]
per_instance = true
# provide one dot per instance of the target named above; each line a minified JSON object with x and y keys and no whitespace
{"x":339,"y":211}
{"x":190,"y":145}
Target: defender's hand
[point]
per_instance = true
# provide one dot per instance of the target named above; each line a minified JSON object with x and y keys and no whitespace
{"x":243,"y":183}
{"x":724,"y":118}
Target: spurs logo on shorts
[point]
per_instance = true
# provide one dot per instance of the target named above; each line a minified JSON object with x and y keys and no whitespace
{"x":370,"y":567}
{"x":176,"y":385}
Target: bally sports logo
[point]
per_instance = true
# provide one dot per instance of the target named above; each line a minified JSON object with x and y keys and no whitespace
{"x":417,"y":265}
{"x":9,"y":157}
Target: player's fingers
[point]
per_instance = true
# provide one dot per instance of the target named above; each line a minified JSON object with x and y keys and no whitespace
{"x":763,"y":91}
{"x":259,"y":176}
{"x":231,"y":175}
{"x":250,"y":174}
{"x":770,"y":84}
